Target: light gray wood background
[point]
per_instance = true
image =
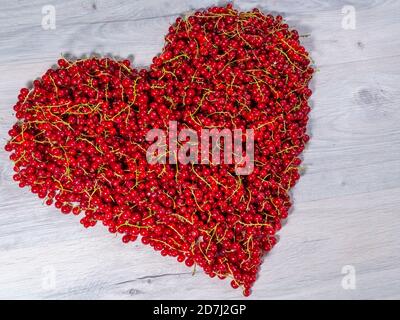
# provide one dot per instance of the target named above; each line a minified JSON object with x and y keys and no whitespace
{"x":346,"y":206}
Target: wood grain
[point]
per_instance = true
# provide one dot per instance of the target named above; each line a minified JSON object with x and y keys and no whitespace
{"x":346,"y":205}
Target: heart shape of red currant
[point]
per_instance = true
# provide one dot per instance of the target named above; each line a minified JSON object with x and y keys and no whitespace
{"x":82,"y":140}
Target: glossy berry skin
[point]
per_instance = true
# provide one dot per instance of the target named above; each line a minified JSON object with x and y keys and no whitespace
{"x":79,"y":142}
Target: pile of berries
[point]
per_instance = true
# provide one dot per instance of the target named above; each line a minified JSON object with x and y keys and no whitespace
{"x":79,"y":142}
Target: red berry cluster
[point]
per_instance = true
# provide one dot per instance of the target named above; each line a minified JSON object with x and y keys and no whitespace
{"x":80,"y":140}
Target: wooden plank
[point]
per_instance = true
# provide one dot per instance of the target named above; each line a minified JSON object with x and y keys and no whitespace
{"x":321,"y":237}
{"x":345,"y":206}
{"x":138,"y":28}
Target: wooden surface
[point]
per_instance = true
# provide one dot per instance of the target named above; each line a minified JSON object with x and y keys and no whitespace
{"x":346,"y":206}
